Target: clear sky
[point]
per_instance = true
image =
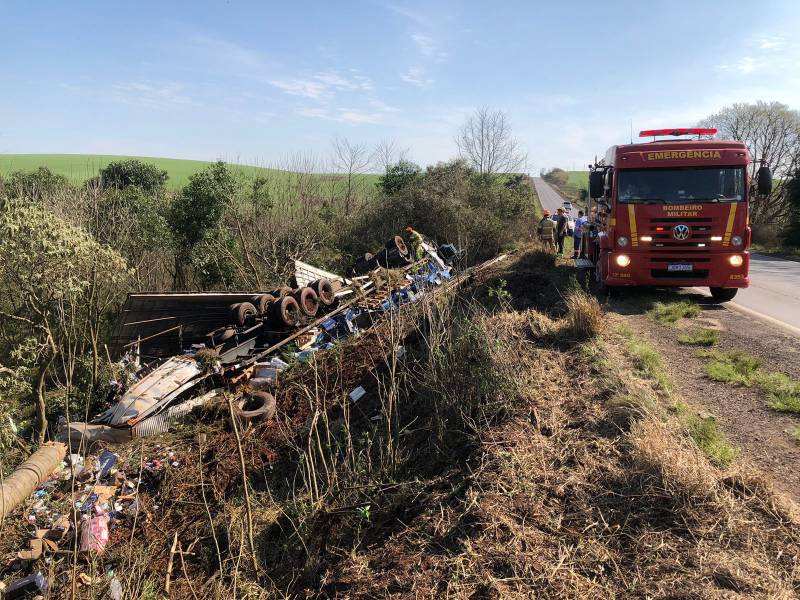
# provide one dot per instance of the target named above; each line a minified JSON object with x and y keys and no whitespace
{"x":255,"y":82}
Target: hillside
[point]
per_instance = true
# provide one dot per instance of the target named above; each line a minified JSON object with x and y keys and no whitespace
{"x":79,"y":167}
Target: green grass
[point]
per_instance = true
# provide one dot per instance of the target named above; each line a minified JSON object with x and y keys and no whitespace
{"x":646,"y":360}
{"x":578,"y":179}
{"x":700,"y":337}
{"x":740,"y":368}
{"x":673,"y":312}
{"x":706,"y":434}
{"x":80,"y":167}
{"x":736,"y":367}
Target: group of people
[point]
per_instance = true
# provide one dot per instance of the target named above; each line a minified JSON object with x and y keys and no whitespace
{"x":553,"y":232}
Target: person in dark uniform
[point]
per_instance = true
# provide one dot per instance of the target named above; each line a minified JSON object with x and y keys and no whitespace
{"x":562,"y":225}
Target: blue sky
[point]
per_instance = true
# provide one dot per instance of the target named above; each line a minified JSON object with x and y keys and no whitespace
{"x":257,"y":82}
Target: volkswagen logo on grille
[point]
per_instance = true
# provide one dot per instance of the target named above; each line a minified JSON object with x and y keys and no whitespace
{"x":680,"y":232}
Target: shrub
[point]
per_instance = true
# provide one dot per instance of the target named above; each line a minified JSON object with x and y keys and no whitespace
{"x":125,"y":173}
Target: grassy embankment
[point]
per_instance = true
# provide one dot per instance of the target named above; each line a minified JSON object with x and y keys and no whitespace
{"x":80,"y":167}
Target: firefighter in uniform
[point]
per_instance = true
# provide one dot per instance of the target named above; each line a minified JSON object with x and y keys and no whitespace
{"x":546,"y":231}
{"x":413,"y":240}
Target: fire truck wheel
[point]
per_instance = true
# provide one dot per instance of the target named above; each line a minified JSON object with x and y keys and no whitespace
{"x":256,"y":406}
{"x":308,"y":301}
{"x":261,"y":302}
{"x":723,"y":294}
{"x":241,"y":311}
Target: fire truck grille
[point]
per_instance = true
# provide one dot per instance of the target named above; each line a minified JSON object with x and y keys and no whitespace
{"x":664,"y":274}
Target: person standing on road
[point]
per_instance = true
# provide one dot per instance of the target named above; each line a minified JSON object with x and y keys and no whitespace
{"x":562,"y":224}
{"x":546,"y":231}
{"x":577,"y":235}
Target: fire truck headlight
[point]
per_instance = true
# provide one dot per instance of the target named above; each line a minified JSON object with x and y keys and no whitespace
{"x":736,"y":260}
{"x":622,"y":241}
{"x":736,"y":240}
{"x":623,"y":260}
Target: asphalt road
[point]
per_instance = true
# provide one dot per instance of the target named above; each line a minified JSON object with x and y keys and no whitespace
{"x":774,"y":290}
{"x":550,"y":199}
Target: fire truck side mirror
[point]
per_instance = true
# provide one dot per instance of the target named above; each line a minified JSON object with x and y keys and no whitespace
{"x":596,"y":184}
{"x":764,"y":180}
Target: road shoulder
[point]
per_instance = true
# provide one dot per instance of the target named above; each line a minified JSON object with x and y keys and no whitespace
{"x":760,"y":433}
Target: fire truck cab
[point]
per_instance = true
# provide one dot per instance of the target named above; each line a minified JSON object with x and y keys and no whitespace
{"x":672,"y":213}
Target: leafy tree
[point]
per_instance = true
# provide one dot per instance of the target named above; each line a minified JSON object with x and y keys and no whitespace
{"x":398,"y":176}
{"x":557,"y":176}
{"x":34,"y":185}
{"x":793,"y":199}
{"x":125,"y":173}
{"x":197,"y":210}
{"x":58,"y":284}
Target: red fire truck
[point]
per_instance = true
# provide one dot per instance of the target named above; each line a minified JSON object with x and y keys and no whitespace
{"x":672,"y":212}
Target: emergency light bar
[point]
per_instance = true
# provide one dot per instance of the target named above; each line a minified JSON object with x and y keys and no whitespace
{"x":679,"y":131}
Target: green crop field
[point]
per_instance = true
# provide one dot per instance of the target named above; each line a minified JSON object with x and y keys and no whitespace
{"x":80,"y":167}
{"x":578,"y":179}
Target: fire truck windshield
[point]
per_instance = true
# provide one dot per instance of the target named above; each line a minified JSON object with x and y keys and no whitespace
{"x":679,"y":186}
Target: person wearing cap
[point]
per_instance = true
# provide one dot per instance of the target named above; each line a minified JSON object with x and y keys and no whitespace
{"x":546,"y":231}
{"x":413,"y":240}
{"x":562,"y":224}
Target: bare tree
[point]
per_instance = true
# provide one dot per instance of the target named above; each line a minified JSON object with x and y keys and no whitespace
{"x":386,"y":154}
{"x":772,"y":133}
{"x":486,"y":143}
{"x":351,"y":160}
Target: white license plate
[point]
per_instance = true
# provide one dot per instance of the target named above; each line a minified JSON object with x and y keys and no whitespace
{"x":679,"y":267}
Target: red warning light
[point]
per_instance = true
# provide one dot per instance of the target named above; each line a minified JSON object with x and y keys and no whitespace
{"x":679,"y":131}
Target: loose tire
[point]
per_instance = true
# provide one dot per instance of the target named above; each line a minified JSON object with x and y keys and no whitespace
{"x":241,"y":312}
{"x":256,"y":406}
{"x":262,"y":302}
{"x":720,"y":294}
{"x":324,"y":290}
{"x":284,"y":312}
{"x":397,"y":243}
{"x":307,"y":300}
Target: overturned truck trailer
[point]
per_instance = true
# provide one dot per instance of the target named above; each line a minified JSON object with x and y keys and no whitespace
{"x":183,"y":349}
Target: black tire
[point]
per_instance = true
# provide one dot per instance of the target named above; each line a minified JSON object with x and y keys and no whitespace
{"x":262,"y":302}
{"x":241,"y":312}
{"x":284,"y":312}
{"x":720,"y":294}
{"x":255,"y":407}
{"x":307,"y":300}
{"x":220,"y":335}
{"x":324,"y":289}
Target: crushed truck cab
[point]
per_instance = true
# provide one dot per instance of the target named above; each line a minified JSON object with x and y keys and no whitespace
{"x":672,"y":213}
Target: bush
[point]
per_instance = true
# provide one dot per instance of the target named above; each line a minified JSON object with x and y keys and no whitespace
{"x":35,"y":185}
{"x":126,"y":173}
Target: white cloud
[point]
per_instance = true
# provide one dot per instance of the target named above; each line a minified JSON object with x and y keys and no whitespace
{"x":300,"y":87}
{"x":383,"y":107}
{"x":334,"y":80}
{"x":416,"y":76}
{"x":352,"y":116}
{"x":745,"y":65}
{"x":428,"y":47}
{"x":416,"y":17}
{"x":770,"y":43}
{"x":151,"y":95}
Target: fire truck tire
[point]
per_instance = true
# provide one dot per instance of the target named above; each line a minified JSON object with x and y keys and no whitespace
{"x":256,"y":406}
{"x":720,"y":294}
{"x":324,"y":289}
{"x":241,"y":311}
{"x":284,"y":312}
{"x":262,"y":302}
{"x":308,"y":301}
